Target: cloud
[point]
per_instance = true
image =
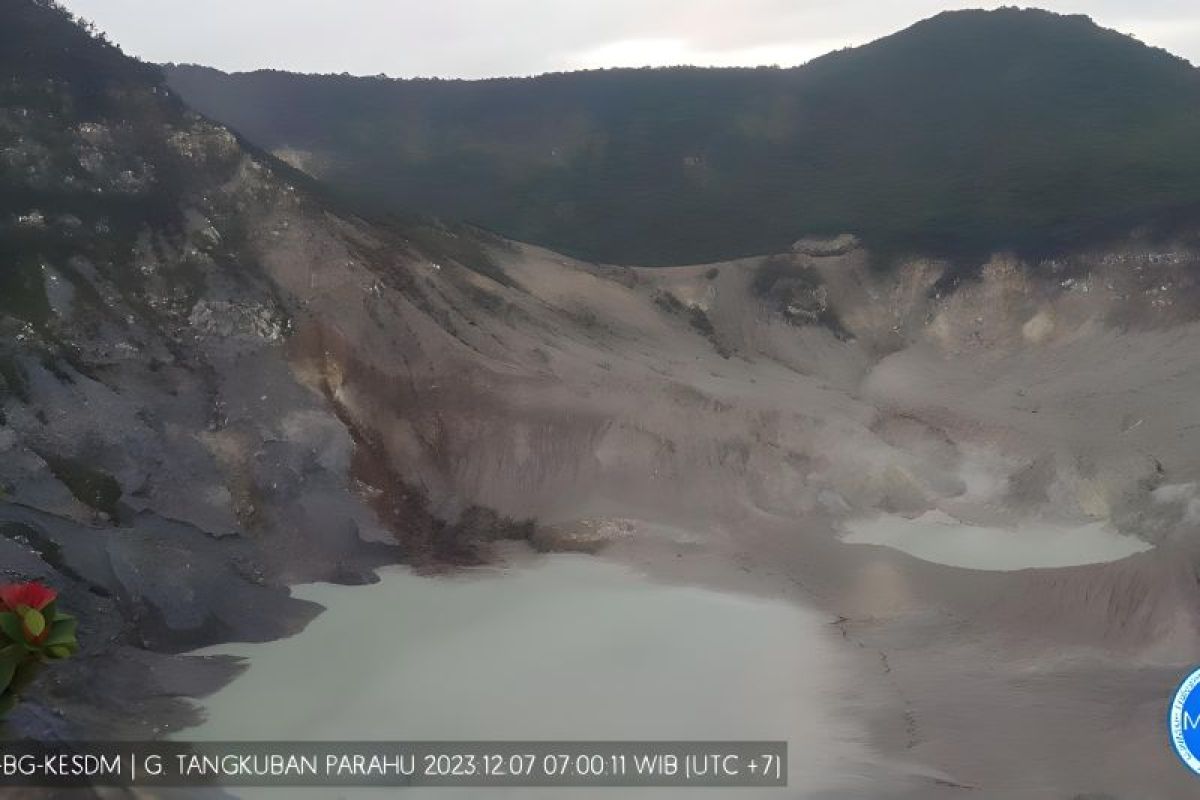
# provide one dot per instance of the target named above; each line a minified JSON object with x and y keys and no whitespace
{"x":665,"y":52}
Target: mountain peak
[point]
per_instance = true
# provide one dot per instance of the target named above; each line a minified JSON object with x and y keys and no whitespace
{"x":1041,"y":43}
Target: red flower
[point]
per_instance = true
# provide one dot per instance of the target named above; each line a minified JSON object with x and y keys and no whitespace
{"x":32,"y":595}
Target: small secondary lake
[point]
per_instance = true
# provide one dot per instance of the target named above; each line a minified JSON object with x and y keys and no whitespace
{"x":570,"y":647}
{"x":942,"y":539}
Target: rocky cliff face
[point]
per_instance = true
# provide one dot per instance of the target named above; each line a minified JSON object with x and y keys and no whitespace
{"x":216,"y":384}
{"x":166,"y":458}
{"x":154,"y":438}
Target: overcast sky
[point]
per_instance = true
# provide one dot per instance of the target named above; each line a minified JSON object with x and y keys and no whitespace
{"x":481,"y":38}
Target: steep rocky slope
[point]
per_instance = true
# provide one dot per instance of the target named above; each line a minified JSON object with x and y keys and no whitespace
{"x":164,"y":459}
{"x":215,"y":385}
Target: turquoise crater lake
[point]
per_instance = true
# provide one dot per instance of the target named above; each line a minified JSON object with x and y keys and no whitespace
{"x":566,"y":647}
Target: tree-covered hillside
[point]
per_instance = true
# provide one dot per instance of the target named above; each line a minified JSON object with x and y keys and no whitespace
{"x":83,"y":167}
{"x":967,"y":132}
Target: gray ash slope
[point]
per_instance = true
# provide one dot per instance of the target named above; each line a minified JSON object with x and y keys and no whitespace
{"x":217,"y":385}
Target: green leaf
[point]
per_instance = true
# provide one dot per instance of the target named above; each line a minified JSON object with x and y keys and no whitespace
{"x":10,"y":626}
{"x":27,"y":670}
{"x":58,"y":651}
{"x":35,"y":623}
{"x":8,"y":666}
{"x":62,"y":632}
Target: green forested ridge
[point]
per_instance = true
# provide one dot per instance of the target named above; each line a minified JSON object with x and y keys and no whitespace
{"x":63,"y":86}
{"x":970,"y":131}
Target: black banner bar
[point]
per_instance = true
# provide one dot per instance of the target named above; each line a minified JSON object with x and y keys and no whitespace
{"x":394,"y":764}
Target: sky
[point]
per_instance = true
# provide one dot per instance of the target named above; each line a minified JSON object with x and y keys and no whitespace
{"x":488,"y":38}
